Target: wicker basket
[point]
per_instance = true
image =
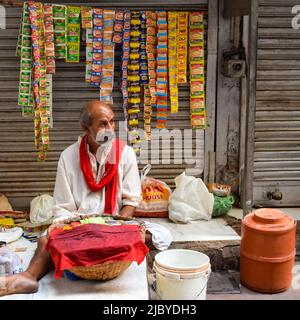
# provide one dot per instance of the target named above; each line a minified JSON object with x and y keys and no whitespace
{"x":104,"y":271}
{"x":107,"y":270}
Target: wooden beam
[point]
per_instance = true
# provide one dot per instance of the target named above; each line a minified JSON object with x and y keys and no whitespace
{"x":228,"y":108}
{"x":235,"y":8}
{"x":250,"y":115}
{"x":243,"y":110}
{"x":212,"y":59}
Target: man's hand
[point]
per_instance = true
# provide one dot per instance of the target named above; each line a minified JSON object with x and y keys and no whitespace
{"x":127,"y":211}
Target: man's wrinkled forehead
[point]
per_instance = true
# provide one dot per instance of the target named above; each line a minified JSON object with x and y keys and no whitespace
{"x":100,"y":111}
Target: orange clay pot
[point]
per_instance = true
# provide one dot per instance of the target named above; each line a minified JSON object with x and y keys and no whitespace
{"x":267,"y":250}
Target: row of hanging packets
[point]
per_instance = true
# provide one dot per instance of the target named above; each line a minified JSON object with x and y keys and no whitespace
{"x":144,"y":80}
{"x":143,"y":54}
{"x":49,"y":39}
{"x":182,"y":46}
{"x":97,"y":47}
{"x":73,"y":34}
{"x":147,"y":29}
{"x":150,"y":89}
{"x":162,"y":70}
{"x":134,"y":88}
{"x":197,"y":77}
{"x":50,"y":58}
{"x":60,"y":28}
{"x":87,"y":24}
{"x":107,"y":76}
{"x":24,"y":51}
{"x":118,"y":27}
{"x":172,"y":59}
{"x":125,"y":60}
{"x":41,"y":127}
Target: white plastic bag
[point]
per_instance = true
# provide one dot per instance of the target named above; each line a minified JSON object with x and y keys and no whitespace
{"x":190,"y":200}
{"x":41,"y":208}
{"x":10,"y":262}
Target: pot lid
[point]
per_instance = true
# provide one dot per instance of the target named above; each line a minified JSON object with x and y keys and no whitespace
{"x":269,"y":220}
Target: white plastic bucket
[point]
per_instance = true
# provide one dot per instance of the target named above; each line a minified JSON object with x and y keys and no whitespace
{"x":181,"y":274}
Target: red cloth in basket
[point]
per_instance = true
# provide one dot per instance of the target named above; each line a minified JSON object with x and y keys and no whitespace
{"x":93,"y":244}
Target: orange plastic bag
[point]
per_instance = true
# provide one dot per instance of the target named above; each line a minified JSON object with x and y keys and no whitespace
{"x":155,"y":195}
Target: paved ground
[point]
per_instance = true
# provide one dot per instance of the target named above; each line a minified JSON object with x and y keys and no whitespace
{"x":293,"y":293}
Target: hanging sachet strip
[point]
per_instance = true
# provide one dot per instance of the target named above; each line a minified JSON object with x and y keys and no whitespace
{"x":162,"y":70}
{"x":73,"y":34}
{"x":86,"y":17}
{"x":25,"y":96}
{"x":19,"y":43}
{"x":50,"y":58}
{"x":36,"y":40}
{"x":197,"y":75}
{"x":60,"y":28}
{"x":118,"y":27}
{"x":125,"y":60}
{"x":147,"y":113}
{"x":87,"y":24}
{"x":182,"y":38}
{"x":49,"y":38}
{"x":144,"y":79}
{"x":97,"y":47}
{"x":134,"y":88}
{"x":49,"y":99}
{"x":143,"y":54}
{"x":88,"y":54}
{"x":172,"y":58}
{"x":143,"y":61}
{"x":41,"y":126}
{"x":150,"y":89}
{"x":107,"y":74}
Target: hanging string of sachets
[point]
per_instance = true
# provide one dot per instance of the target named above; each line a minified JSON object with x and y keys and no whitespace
{"x":87,"y":24}
{"x":156,"y":46}
{"x":172,"y":58}
{"x":134,"y":88}
{"x":107,"y":72}
{"x":97,"y":47}
{"x":150,"y":88}
{"x":197,"y":78}
{"x":41,"y":124}
{"x":125,"y":61}
{"x":49,"y":39}
{"x":60,"y":30}
{"x":162,"y":70}
{"x":24,"y":52}
{"x":182,"y":46}
{"x":73,"y":34}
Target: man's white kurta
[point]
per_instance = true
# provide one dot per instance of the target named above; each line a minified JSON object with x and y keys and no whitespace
{"x":71,"y":193}
{"x":72,"y":196}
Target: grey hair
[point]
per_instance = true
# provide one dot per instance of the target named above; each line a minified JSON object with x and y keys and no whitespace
{"x":85,"y":116}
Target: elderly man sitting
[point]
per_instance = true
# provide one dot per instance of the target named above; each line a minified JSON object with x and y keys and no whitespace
{"x":97,"y":174}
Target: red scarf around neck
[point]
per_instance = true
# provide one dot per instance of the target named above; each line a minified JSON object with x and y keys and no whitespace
{"x":109,"y":179}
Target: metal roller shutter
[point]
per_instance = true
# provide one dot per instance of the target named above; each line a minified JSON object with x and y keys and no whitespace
{"x":277,"y":121}
{"x":21,"y":176}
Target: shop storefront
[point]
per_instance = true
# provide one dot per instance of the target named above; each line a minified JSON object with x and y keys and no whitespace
{"x":23,"y":177}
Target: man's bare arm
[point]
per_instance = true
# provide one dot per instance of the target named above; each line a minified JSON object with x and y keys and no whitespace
{"x":127,"y":211}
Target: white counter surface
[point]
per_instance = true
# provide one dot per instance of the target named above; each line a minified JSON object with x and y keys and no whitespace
{"x":130,"y":285}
